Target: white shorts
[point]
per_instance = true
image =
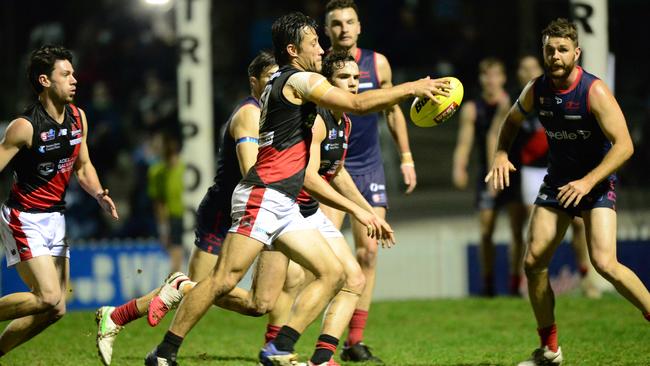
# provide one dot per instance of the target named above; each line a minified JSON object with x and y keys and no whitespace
{"x":324,"y":225}
{"x":264,"y":214}
{"x":531,"y":179}
{"x":27,"y":235}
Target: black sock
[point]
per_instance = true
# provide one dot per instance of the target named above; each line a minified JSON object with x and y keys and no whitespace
{"x":286,"y":339}
{"x":169,"y":346}
{"x":2,"y":353}
{"x":325,"y":348}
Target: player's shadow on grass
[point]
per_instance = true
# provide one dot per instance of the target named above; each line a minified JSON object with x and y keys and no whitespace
{"x":207,"y":357}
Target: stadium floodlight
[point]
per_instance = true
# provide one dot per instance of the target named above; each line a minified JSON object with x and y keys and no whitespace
{"x":157,"y":2}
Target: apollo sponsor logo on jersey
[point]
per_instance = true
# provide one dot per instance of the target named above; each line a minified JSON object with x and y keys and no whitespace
{"x":566,"y":135}
{"x":46,"y":168}
{"x":266,"y":138}
{"x":558,"y":100}
{"x":48,"y":135}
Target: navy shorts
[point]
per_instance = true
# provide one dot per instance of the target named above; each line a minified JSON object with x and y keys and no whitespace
{"x":511,"y":194}
{"x":212,"y":222}
{"x":372,"y":186}
{"x":603,"y":195}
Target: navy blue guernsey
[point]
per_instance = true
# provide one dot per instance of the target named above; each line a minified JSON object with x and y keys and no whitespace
{"x":576,"y":142}
{"x":364,"y":154}
{"x":285,"y":135}
{"x":332,"y":155}
{"x":42,"y":171}
{"x":484,"y":115}
{"x":228,"y":172}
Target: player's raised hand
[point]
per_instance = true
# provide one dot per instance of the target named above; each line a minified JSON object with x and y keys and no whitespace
{"x":106,"y":203}
{"x":500,"y":171}
{"x":427,"y":88}
{"x":573,"y":192}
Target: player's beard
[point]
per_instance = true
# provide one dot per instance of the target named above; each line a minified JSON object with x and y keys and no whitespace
{"x":565,"y":71}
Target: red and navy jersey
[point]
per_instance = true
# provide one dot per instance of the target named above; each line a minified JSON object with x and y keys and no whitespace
{"x":285,"y":135}
{"x":332,"y":155}
{"x":42,"y":172}
{"x":576,"y":142}
{"x":228,"y":172}
{"x":364,"y":153}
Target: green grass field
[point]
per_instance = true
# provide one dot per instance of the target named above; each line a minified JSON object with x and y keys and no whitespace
{"x":439,"y":332}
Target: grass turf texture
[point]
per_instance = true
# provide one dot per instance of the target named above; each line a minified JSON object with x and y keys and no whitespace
{"x":440,"y":332}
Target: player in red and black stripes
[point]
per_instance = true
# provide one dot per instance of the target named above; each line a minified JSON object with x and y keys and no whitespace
{"x":45,"y":145}
{"x":264,"y":208}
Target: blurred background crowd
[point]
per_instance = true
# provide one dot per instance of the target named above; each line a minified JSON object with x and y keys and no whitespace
{"x":126,"y":57}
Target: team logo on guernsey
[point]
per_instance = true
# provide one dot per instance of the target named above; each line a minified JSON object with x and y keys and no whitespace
{"x":572,"y":105}
{"x":48,"y":135}
{"x":332,"y":134}
{"x":46,"y":168}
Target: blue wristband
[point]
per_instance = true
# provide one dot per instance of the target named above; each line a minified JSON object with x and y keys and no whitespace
{"x":247,"y":139}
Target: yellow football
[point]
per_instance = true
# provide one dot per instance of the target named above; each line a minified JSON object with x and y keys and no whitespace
{"x":425,"y":113}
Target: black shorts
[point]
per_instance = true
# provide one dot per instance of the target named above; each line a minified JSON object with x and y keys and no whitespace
{"x":603,"y":195}
{"x":511,"y":194}
{"x":212,"y":222}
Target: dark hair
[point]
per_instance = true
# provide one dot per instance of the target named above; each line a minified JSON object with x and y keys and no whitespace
{"x":41,"y":62}
{"x":489,"y":62}
{"x":286,"y":30}
{"x":263,"y":60}
{"x":561,"y":28}
{"x":335,"y":60}
{"x":341,"y":4}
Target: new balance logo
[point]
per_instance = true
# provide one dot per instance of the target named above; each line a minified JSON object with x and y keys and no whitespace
{"x":565,"y":135}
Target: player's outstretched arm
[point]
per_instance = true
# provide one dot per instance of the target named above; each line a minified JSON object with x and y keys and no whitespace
{"x":612,"y":122}
{"x":245,"y":128}
{"x":397,"y":126}
{"x":464,"y":144}
{"x":499,"y":174}
{"x":315,"y":88}
{"x":18,"y":134}
{"x":87,"y":175}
